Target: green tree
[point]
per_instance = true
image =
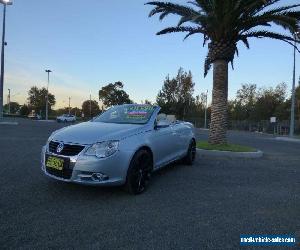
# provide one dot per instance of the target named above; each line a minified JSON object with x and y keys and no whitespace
{"x":24,"y":110}
{"x":73,"y":111}
{"x":166,"y":97}
{"x":14,"y":107}
{"x":199,"y":105}
{"x":90,"y":108}
{"x":297,"y":91}
{"x":224,"y":23}
{"x":147,"y":102}
{"x":61,"y":111}
{"x":256,"y":105}
{"x":271,"y":102}
{"x":196,"y":110}
{"x":76,"y":111}
{"x":113,"y":94}
{"x":245,"y":101}
{"x":176,"y":96}
{"x":236,"y":111}
{"x":37,"y":99}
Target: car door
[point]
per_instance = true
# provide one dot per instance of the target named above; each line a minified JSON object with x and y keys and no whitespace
{"x":182,"y":134}
{"x":164,"y":145}
{"x":179,"y":140}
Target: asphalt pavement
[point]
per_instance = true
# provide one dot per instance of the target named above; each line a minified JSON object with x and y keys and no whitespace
{"x":205,"y":206}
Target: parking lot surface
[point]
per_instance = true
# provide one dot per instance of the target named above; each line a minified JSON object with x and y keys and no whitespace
{"x":205,"y":206}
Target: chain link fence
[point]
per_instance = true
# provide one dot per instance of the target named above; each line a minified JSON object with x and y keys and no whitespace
{"x":198,"y":122}
{"x":265,"y":126}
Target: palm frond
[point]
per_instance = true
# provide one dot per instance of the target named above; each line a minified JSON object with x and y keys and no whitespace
{"x":269,"y":34}
{"x":245,"y":41}
{"x":189,"y":29}
{"x":285,"y":21}
{"x":205,"y":5}
{"x":224,"y":23}
{"x":280,"y":9}
{"x":273,"y":35}
{"x":252,"y":7}
{"x":237,"y":51}
{"x":170,"y":8}
{"x":205,"y":39}
{"x":184,"y":19}
{"x":192,"y":32}
{"x":195,"y":4}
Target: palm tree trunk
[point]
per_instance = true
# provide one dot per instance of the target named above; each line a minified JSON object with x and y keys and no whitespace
{"x":218,"y":124}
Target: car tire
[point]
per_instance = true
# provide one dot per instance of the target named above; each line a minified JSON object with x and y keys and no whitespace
{"x":139,"y":172}
{"x":191,"y":153}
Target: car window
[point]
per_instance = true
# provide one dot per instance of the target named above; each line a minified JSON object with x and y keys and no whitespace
{"x":161,"y":116}
{"x":129,"y":114}
{"x":162,"y":120}
{"x":166,"y":118}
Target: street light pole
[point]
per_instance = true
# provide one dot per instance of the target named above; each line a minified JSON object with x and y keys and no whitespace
{"x":8,"y":100}
{"x":205,"y":110}
{"x":91,"y":106}
{"x":69,"y":105}
{"x":48,"y":71}
{"x":292,"y":122}
{"x":4,"y":2}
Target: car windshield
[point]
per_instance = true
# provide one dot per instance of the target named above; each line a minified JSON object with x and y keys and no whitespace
{"x":129,"y":114}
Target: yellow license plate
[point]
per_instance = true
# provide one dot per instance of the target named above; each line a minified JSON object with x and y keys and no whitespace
{"x":55,"y":163}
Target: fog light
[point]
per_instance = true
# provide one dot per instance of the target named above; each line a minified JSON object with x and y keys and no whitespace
{"x":99,"y":177}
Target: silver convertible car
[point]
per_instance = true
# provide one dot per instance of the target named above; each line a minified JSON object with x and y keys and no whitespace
{"x":122,"y":146}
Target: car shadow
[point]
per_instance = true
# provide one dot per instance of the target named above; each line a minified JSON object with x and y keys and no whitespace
{"x":69,"y":190}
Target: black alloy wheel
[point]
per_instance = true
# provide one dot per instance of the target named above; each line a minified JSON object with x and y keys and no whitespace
{"x":139,"y":172}
{"x":191,"y":154}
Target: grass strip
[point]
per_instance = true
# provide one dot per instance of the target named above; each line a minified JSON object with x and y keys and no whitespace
{"x":225,"y":147}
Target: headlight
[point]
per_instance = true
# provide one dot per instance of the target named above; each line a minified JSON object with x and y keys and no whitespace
{"x":103,"y":149}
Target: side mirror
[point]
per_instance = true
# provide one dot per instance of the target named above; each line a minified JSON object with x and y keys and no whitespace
{"x":161,"y":124}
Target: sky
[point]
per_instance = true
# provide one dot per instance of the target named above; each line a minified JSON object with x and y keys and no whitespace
{"x":88,"y":44}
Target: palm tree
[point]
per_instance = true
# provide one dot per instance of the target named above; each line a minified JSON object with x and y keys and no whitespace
{"x":224,"y":23}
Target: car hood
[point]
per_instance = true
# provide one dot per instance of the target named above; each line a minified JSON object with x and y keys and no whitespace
{"x":92,"y":132}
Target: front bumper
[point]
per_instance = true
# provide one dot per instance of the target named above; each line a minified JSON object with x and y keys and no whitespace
{"x":90,"y":170}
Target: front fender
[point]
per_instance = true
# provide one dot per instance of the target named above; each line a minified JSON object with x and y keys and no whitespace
{"x":133,"y":143}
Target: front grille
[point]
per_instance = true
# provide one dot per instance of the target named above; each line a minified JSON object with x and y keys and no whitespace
{"x":68,"y":149}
